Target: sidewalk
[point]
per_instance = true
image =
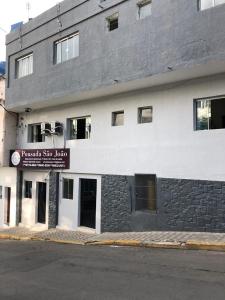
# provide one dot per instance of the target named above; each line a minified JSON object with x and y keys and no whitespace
{"x":153,"y":239}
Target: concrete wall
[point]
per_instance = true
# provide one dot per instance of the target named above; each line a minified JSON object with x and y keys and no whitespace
{"x":168,"y":147}
{"x":177,"y":35}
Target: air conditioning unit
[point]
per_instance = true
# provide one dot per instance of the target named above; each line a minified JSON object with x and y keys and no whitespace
{"x":56,"y":128}
{"x":45,"y":128}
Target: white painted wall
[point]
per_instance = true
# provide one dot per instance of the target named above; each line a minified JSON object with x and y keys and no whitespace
{"x":69,"y":210}
{"x":167,"y":147}
{"x":8,"y":177}
{"x":30,"y":206}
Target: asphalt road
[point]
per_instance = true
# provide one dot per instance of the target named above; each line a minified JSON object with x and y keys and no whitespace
{"x":41,"y":270}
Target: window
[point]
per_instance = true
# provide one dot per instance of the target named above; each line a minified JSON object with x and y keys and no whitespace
{"x":67,"y":188}
{"x":144,"y":9}
{"x":118,"y":118}
{"x":0,"y":192}
{"x":24,"y":66}
{"x":205,"y":4}
{"x":113,"y":21}
{"x":34,"y":134}
{"x":67,"y":48}
{"x":145,"y":186}
{"x":145,"y":114}
{"x":210,"y":114}
{"x":28,"y":189}
{"x":79,"y":128}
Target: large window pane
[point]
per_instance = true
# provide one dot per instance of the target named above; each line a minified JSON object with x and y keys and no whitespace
{"x":67,"y":48}
{"x":203,"y":114}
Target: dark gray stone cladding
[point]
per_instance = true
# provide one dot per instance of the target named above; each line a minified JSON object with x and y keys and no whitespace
{"x":53,"y":199}
{"x":182,"y":204}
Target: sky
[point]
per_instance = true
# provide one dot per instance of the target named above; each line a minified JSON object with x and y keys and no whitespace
{"x":13,"y":11}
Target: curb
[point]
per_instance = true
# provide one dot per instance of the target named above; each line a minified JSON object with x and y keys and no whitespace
{"x":186,"y":245}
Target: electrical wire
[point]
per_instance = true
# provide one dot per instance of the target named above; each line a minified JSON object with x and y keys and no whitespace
{"x":9,"y":112}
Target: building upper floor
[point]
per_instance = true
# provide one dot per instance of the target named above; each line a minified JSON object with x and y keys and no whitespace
{"x":176,"y":131}
{"x":90,"y":48}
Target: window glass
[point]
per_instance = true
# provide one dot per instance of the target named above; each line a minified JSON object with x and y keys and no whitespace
{"x":34,"y":134}
{"x":113,"y":21}
{"x":67,"y":48}
{"x":145,"y":187}
{"x":24,"y":66}
{"x":28,"y":189}
{"x":68,"y":188}
{"x":210,"y":114}
{"x":79,"y":128}
{"x":118,"y":118}
{"x":144,"y":114}
{"x":0,"y":192}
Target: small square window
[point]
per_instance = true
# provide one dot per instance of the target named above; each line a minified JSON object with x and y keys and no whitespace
{"x":79,"y":128}
{"x":145,"y":114}
{"x":34,"y":134}
{"x":28,"y":189}
{"x":118,"y":118}
{"x":144,"y":9}
{"x":113,"y":22}
{"x":67,"y":188}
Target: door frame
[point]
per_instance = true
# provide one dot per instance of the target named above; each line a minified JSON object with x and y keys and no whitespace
{"x":73,"y":208}
{"x":46,"y":206}
{"x":7,"y":202}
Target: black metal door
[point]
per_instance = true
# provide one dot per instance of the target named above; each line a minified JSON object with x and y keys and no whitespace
{"x":41,"y":202}
{"x":88,"y":202}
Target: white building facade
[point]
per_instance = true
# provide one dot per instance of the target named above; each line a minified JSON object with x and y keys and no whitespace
{"x":146,"y":150}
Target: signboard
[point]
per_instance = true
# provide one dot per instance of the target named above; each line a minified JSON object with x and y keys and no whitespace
{"x":40,"y":158}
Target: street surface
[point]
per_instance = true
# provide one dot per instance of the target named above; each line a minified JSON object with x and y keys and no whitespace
{"x":47,"y":271}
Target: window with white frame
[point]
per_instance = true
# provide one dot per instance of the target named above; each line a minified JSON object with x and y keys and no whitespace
{"x":24,"y":66}
{"x":210,"y":113}
{"x":79,"y":128}
{"x":67,"y":188}
{"x":34,"y":133}
{"x":205,"y":4}
{"x":144,"y":9}
{"x":67,"y":48}
{"x":145,"y":114}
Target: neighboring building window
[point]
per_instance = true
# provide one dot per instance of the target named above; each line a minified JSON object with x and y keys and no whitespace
{"x":113,"y":21}
{"x":210,"y":114}
{"x":145,"y":114}
{"x":34,"y":134}
{"x":79,"y":128}
{"x":144,"y":9}
{"x":205,"y":4}
{"x":67,"y":188}
{"x":145,"y":187}
{"x":0,"y":192}
{"x":67,"y":48}
{"x":118,"y":118}
{"x":28,"y":189}
{"x":24,"y":66}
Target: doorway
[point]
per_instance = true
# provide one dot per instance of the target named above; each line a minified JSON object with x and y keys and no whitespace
{"x":41,"y":197}
{"x":88,"y":189}
{"x":7,"y":205}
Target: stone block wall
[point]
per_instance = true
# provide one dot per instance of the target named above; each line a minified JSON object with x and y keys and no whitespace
{"x":53,"y":199}
{"x":184,"y":205}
